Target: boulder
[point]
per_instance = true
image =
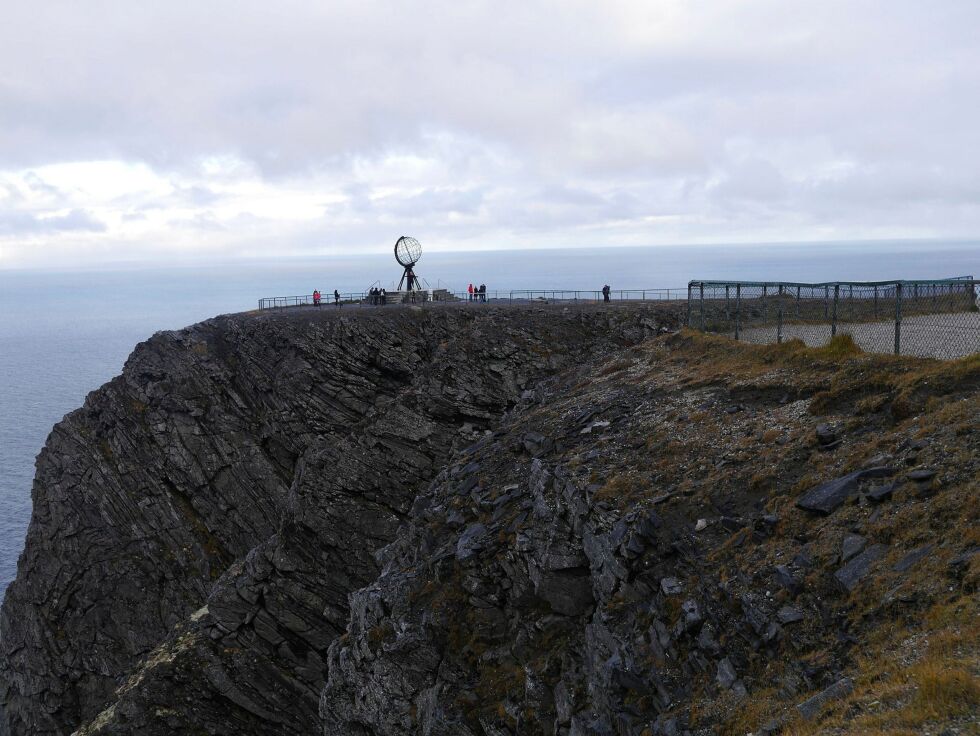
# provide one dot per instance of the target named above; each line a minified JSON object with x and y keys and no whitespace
{"x":726,"y":676}
{"x":913,"y":557}
{"x":852,"y":573}
{"x":789,"y":615}
{"x":470,"y":541}
{"x":852,"y":544}
{"x":812,"y":707}
{"x":826,"y":497}
{"x":671,"y":586}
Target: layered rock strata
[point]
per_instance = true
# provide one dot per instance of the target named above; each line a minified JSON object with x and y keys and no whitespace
{"x":199,"y":523}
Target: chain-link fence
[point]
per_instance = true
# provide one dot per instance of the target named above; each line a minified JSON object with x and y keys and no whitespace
{"x":937,"y":318}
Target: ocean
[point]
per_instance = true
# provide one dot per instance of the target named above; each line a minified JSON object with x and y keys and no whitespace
{"x":63,"y":335}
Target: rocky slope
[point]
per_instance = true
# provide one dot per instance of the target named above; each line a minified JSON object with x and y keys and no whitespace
{"x":690,"y":536}
{"x":199,"y":523}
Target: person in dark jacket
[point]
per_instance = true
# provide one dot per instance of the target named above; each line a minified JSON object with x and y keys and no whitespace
{"x":336,"y":297}
{"x":605,"y":293}
{"x":483,"y":293}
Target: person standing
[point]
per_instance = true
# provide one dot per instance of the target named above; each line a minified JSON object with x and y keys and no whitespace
{"x":605,"y":293}
{"x":336,"y":297}
{"x":471,"y":292}
{"x":316,"y":297}
{"x":483,"y":293}
{"x":384,"y":296}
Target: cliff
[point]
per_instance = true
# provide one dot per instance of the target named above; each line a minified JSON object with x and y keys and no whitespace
{"x":692,"y":536}
{"x":501,"y":521}
{"x":199,"y":523}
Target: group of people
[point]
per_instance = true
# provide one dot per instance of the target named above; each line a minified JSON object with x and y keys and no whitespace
{"x":478,"y":293}
{"x":378,"y":296}
{"x":317,"y":298}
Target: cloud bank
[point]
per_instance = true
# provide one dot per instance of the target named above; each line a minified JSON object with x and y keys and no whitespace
{"x":159,"y":130}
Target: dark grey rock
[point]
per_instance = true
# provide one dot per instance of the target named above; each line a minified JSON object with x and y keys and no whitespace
{"x":812,"y":707}
{"x":771,"y":727}
{"x":706,"y":639}
{"x":692,"y":614}
{"x":755,"y":616}
{"x":854,"y":571}
{"x":882,"y":493}
{"x":963,"y":558}
{"x":826,"y":497}
{"x":773,"y":630}
{"x":666,"y":727}
{"x":908,"y":561}
{"x":786,"y":579}
{"x":789,"y":615}
{"x":471,"y":541}
{"x":671,"y":586}
{"x":852,"y":544}
{"x":726,"y":675}
{"x":825,"y":434}
{"x":536,"y":444}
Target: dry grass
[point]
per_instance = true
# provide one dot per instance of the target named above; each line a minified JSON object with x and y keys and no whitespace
{"x":882,"y":402}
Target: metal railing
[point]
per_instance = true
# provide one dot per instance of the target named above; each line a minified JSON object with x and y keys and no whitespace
{"x":937,"y":318}
{"x":512,"y":296}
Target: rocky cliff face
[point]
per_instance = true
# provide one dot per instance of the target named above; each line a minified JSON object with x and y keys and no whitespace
{"x":200,"y":522}
{"x":689,"y":537}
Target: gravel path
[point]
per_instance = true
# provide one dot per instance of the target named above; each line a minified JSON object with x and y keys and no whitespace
{"x":929,"y":335}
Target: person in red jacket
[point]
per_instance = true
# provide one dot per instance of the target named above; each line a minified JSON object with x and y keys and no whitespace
{"x":471,"y":292}
{"x":316,"y":297}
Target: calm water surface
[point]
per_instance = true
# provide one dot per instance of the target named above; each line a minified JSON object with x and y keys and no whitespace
{"x":63,"y":335}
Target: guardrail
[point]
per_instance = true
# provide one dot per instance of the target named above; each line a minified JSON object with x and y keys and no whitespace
{"x":514,"y":296}
{"x":937,"y":317}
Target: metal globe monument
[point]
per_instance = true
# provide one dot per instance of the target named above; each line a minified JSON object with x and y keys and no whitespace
{"x":408,"y":251}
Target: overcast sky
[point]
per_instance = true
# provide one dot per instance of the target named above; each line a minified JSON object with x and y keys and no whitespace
{"x":147,"y":130}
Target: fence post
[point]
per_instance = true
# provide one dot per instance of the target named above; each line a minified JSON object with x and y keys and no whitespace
{"x":898,"y":318}
{"x":738,"y":308}
{"x":779,"y":318}
{"x":797,"y":302}
{"x":826,"y":302}
{"x":688,"y":305}
{"x":702,"y":307}
{"x":876,"y":302}
{"x":833,"y":322}
{"x":765,"y":307}
{"x":728,"y":311}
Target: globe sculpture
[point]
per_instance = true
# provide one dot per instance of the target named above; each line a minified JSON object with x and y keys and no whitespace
{"x":407,"y":253}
